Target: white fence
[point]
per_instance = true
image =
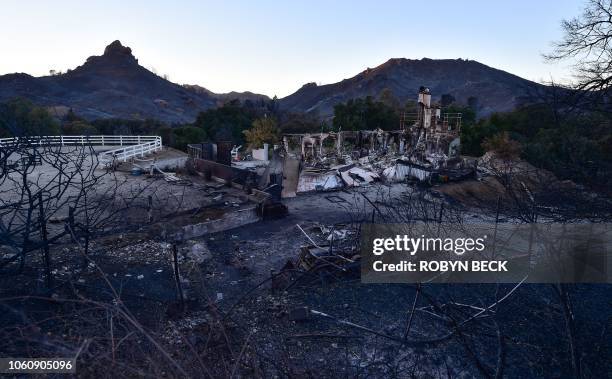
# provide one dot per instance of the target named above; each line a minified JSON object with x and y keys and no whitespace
{"x":135,"y":146}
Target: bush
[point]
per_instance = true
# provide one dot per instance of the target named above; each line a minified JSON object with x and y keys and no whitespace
{"x":264,"y":130}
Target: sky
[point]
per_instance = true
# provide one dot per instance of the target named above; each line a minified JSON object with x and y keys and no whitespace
{"x":275,"y":47}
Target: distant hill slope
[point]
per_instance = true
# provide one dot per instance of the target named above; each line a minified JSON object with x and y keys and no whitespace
{"x":496,"y":90}
{"x":112,"y":85}
{"x":224,"y":97}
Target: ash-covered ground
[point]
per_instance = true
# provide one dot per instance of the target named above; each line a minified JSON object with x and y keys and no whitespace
{"x":119,"y":309}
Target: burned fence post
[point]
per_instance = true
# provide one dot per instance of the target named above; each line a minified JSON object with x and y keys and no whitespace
{"x":45,"y":242}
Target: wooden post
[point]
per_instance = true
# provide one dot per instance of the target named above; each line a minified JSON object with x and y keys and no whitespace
{"x":43,"y":230}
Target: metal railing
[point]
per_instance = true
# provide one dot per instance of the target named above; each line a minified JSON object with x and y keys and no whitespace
{"x":134,"y":145}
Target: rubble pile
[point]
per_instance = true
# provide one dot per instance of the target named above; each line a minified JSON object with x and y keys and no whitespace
{"x":425,"y":148}
{"x":331,"y":254}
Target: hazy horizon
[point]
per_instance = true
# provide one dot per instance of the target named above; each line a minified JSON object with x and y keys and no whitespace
{"x":275,"y":48}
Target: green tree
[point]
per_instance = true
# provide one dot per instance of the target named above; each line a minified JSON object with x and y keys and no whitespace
{"x":20,"y":117}
{"x":576,"y":147}
{"x":78,"y":127}
{"x":299,"y":123}
{"x":226,"y":122}
{"x":365,"y":114}
{"x":264,"y":130}
{"x":185,"y":135}
{"x":128,"y":127}
{"x":387,"y":97}
{"x":167,"y":135}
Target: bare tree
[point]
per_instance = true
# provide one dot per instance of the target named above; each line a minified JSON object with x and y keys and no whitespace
{"x":31,"y":197}
{"x":52,"y":195}
{"x":588,"y":40}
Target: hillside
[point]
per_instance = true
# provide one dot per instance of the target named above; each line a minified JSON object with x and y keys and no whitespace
{"x":112,"y":85}
{"x":496,"y":90}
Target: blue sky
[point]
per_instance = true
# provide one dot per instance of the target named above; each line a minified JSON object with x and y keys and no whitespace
{"x":274,"y":47}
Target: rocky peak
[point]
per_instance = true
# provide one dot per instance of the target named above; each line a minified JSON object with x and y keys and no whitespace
{"x":115,"y":53}
{"x":117,"y":49}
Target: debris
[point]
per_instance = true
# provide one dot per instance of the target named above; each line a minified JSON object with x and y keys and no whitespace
{"x":319,"y":181}
{"x":168,"y":176}
{"x":325,"y":257}
{"x":356,"y":176}
{"x":403,"y":169}
{"x":338,"y":235}
{"x":425,"y":147}
{"x":312,"y":256}
{"x":307,"y":236}
{"x":199,"y":252}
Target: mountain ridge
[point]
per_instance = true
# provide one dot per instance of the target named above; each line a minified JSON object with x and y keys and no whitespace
{"x":496,"y":90}
{"x":115,"y":85}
